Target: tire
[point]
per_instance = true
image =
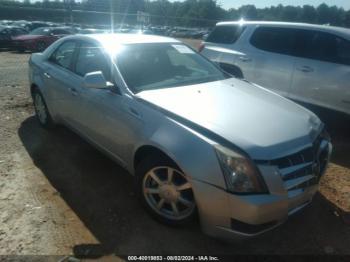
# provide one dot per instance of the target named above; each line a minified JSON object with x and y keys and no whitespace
{"x":159,"y":195}
{"x":41,"y":111}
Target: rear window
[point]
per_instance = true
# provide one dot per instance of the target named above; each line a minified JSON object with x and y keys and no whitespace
{"x":323,"y":46}
{"x":276,"y":40}
{"x":225,"y":34}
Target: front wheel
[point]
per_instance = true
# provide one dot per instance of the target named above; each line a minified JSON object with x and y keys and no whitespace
{"x":165,"y":191}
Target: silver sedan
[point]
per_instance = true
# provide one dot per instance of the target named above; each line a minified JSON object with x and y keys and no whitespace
{"x":197,"y":140}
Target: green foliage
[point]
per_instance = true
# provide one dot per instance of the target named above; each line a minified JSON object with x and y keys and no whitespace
{"x":200,"y":13}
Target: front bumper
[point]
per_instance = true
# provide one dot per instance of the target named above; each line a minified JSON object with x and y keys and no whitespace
{"x":231,"y":216}
{"x":292,"y":182}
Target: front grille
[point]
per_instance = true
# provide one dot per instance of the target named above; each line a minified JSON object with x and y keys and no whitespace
{"x":250,"y":228}
{"x":304,"y":168}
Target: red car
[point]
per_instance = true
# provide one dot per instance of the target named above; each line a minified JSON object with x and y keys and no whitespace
{"x":39,"y":39}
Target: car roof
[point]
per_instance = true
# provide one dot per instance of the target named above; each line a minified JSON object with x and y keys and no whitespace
{"x":107,"y":39}
{"x":340,"y":30}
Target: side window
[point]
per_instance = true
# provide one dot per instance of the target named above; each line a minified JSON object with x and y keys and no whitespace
{"x":91,"y":59}
{"x":273,"y":39}
{"x":63,"y":55}
{"x":343,"y":51}
{"x":325,"y":47}
{"x":225,"y":34}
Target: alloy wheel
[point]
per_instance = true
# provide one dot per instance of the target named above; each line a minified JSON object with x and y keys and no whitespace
{"x":168,"y":192}
{"x":40,"y":108}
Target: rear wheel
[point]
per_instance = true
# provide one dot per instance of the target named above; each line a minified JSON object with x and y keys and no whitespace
{"x":41,"y":111}
{"x":165,"y":191}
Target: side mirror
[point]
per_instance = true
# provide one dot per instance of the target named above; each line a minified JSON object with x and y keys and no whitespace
{"x":95,"y":80}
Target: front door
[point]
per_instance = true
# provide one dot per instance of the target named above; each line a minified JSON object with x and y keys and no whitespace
{"x":104,"y":116}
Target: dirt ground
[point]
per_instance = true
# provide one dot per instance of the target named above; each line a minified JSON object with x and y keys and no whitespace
{"x":60,"y":196}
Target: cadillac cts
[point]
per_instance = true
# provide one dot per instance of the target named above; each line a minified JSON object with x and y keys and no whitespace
{"x":197,"y":140}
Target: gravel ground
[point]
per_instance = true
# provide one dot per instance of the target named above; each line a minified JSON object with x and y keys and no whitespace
{"x":60,"y":196}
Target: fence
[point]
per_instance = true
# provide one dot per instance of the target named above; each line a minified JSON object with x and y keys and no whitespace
{"x":95,"y":17}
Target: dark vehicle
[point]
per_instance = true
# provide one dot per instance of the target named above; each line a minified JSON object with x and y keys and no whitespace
{"x":37,"y":24}
{"x":21,"y":23}
{"x":40,"y":38}
{"x":88,"y":31}
{"x":141,"y":32}
{"x":198,"y":34}
{"x":180,"y":32}
{"x":7,"y":33}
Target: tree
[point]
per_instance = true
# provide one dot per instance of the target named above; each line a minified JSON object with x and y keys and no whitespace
{"x":323,"y":13}
{"x":248,"y":12}
{"x":290,"y":13}
{"x":308,"y":14}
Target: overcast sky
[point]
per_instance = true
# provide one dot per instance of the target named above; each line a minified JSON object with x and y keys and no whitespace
{"x":263,"y":3}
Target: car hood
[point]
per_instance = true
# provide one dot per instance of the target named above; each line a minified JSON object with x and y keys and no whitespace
{"x":27,"y":37}
{"x":263,"y":124}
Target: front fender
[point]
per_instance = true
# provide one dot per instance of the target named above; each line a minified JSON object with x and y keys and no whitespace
{"x":191,"y":151}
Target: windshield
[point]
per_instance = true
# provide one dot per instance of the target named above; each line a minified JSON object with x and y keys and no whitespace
{"x":159,"y":65}
{"x":40,"y":31}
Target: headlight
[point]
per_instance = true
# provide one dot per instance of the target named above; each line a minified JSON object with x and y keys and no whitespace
{"x":240,"y":173}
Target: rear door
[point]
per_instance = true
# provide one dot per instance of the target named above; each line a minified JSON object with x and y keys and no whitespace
{"x":322,"y":71}
{"x":270,"y":55}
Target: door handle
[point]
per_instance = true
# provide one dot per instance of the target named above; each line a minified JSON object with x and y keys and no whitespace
{"x":73,"y":91}
{"x":244,"y":59}
{"x":306,"y":69}
{"x":47,"y":75}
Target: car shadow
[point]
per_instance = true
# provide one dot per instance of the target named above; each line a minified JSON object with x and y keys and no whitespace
{"x":101,"y":194}
{"x":4,"y":49}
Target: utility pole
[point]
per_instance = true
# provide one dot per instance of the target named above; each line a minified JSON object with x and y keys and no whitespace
{"x":68,"y":4}
{"x":112,"y":15}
